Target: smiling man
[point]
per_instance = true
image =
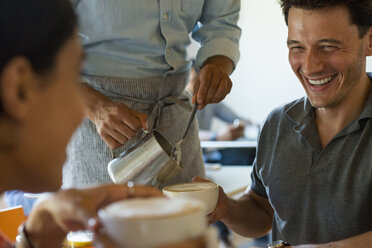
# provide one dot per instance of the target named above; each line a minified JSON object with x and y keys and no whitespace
{"x":312,"y":178}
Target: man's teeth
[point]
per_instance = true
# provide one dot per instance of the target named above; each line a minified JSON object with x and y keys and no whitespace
{"x":320,"y":82}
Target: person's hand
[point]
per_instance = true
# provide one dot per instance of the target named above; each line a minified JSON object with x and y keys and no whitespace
{"x":71,"y":210}
{"x":211,"y":85}
{"x":232,"y":132}
{"x":116,"y":123}
{"x":221,"y":208}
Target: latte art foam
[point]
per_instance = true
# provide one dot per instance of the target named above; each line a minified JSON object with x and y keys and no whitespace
{"x":187,"y":187}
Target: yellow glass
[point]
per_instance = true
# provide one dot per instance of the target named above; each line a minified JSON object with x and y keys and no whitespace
{"x":80,"y":239}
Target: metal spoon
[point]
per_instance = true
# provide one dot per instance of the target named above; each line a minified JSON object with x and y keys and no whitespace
{"x":176,"y":152}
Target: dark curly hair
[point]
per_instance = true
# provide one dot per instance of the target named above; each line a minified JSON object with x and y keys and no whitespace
{"x":360,"y":10}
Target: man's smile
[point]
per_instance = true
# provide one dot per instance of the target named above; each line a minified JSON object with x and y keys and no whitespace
{"x":321,"y":82}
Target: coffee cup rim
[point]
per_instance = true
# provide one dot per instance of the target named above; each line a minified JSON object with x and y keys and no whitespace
{"x":195,"y":208}
{"x":167,"y":188}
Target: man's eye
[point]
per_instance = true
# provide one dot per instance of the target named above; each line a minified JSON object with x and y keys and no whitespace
{"x":328,"y":47}
{"x":296,"y":48}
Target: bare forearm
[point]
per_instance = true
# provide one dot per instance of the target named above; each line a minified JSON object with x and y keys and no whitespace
{"x":92,"y":99}
{"x":221,"y":61}
{"x":247,"y":218}
{"x":361,"y":241}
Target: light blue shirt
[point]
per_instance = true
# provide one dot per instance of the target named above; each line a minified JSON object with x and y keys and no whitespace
{"x":148,"y":38}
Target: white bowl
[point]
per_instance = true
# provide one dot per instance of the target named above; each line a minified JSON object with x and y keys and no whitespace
{"x":151,"y":222}
{"x":206,"y":192}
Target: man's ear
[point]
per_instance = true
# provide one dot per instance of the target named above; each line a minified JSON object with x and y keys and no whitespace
{"x":15,"y":85}
{"x":369,"y":48}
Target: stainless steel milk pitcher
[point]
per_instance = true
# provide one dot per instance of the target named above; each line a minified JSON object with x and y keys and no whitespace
{"x":147,"y":162}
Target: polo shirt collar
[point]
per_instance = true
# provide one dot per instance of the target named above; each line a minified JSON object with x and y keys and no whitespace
{"x":302,"y":114}
{"x":300,"y":110}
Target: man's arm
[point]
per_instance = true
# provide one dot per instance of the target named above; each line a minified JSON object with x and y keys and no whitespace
{"x":219,"y":33}
{"x":251,"y":215}
{"x":361,"y":241}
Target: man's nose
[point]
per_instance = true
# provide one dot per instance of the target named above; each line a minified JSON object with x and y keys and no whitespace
{"x":312,"y":64}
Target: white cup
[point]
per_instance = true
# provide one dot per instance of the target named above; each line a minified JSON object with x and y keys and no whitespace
{"x":206,"y":192}
{"x":152,"y":222}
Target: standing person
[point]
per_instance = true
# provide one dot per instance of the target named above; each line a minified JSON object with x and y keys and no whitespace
{"x":136,"y":72}
{"x":312,"y":179}
{"x":40,"y":107}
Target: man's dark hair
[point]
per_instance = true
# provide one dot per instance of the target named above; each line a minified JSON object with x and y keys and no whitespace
{"x":36,"y":30}
{"x":360,"y":10}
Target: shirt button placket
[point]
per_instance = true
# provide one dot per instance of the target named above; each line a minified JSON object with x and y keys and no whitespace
{"x":165,"y":8}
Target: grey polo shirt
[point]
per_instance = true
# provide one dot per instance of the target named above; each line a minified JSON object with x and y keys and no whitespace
{"x":318,"y":195}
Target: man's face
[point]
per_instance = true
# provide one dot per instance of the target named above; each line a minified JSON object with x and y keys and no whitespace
{"x":326,"y":53}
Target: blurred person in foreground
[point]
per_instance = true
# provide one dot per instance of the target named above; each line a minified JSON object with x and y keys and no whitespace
{"x":40,"y":107}
{"x":312,"y":177}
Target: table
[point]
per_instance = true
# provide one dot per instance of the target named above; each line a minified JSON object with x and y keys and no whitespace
{"x":233,"y":179}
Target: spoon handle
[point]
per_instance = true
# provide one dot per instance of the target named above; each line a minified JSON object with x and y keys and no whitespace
{"x":191,"y":118}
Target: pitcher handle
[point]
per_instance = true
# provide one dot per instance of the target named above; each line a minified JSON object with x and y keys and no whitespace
{"x":114,"y":153}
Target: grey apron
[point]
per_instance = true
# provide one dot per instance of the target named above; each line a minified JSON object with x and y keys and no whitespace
{"x":163,"y":100}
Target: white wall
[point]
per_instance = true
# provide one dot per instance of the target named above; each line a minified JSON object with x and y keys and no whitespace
{"x":263,"y":78}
